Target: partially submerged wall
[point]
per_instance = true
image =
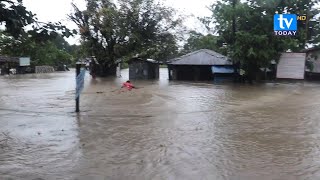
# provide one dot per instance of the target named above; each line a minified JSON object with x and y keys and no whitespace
{"x":44,"y":69}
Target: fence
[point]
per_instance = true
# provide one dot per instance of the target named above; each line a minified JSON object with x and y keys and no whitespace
{"x":44,"y":69}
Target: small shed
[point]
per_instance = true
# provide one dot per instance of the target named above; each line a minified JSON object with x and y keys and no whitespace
{"x":200,"y":65}
{"x":6,"y":63}
{"x":140,"y":68}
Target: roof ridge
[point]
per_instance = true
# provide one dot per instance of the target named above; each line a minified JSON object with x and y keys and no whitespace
{"x":191,"y":53}
{"x":202,"y":57}
{"x":214,"y":53}
{"x":208,"y":51}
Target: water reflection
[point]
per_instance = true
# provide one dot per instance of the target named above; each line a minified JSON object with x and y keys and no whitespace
{"x":164,"y":130}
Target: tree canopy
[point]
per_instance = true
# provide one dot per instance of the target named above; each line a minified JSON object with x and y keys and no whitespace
{"x":133,"y":27}
{"x":15,"y":16}
{"x":246,"y":29}
{"x":242,"y":30}
{"x":44,"y":42}
{"x":198,"y":41}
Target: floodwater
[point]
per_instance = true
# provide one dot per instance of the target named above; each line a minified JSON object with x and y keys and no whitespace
{"x":163,"y":130}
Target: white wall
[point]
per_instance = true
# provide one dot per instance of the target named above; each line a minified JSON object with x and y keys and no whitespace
{"x":291,"y":66}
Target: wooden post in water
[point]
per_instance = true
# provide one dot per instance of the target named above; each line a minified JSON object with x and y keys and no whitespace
{"x":78,"y":67}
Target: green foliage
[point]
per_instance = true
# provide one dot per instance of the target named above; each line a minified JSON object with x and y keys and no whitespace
{"x":310,"y":65}
{"x":246,"y":28}
{"x":15,"y":17}
{"x":135,"y":27}
{"x":49,"y":54}
{"x":198,"y":41}
{"x":124,"y":65}
{"x":44,"y":43}
{"x":46,"y":53}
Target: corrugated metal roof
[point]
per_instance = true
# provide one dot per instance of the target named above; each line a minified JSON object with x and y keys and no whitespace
{"x":219,"y":69}
{"x":201,"y":57}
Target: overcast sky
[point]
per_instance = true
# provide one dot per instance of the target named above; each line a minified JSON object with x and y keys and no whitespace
{"x":57,"y":10}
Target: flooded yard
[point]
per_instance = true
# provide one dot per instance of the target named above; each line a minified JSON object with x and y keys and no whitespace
{"x":163,"y":130}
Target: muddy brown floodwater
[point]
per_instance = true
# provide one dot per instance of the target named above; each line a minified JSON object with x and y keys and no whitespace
{"x":163,"y":130}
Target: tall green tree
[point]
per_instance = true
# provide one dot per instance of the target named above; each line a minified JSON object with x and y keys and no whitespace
{"x":44,"y":43}
{"x":247,"y":30}
{"x":134,"y":27}
{"x":15,"y":17}
{"x":197,"y":41}
{"x":45,"y":53}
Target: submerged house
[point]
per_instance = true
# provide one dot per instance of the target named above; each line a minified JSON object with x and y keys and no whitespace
{"x":200,"y":65}
{"x":140,"y":68}
{"x":18,"y":65}
{"x":6,"y":63}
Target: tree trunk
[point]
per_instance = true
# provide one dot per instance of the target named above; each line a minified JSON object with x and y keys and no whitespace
{"x":234,"y":3}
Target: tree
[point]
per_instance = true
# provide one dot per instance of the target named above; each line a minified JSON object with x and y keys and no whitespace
{"x":16,"y":17}
{"x":45,"y":53}
{"x":250,"y":38}
{"x":44,"y":43}
{"x":197,"y":41}
{"x":135,"y":27}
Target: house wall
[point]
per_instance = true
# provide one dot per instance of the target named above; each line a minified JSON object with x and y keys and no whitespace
{"x":223,"y":77}
{"x":143,"y":70}
{"x":190,"y":73}
{"x":5,"y":66}
{"x":195,"y":73}
{"x":153,"y":71}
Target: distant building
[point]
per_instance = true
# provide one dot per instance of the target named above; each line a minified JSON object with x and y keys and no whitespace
{"x":14,"y":65}
{"x":312,"y":63}
{"x":200,"y":65}
{"x":6,"y":63}
{"x":143,"y":68}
